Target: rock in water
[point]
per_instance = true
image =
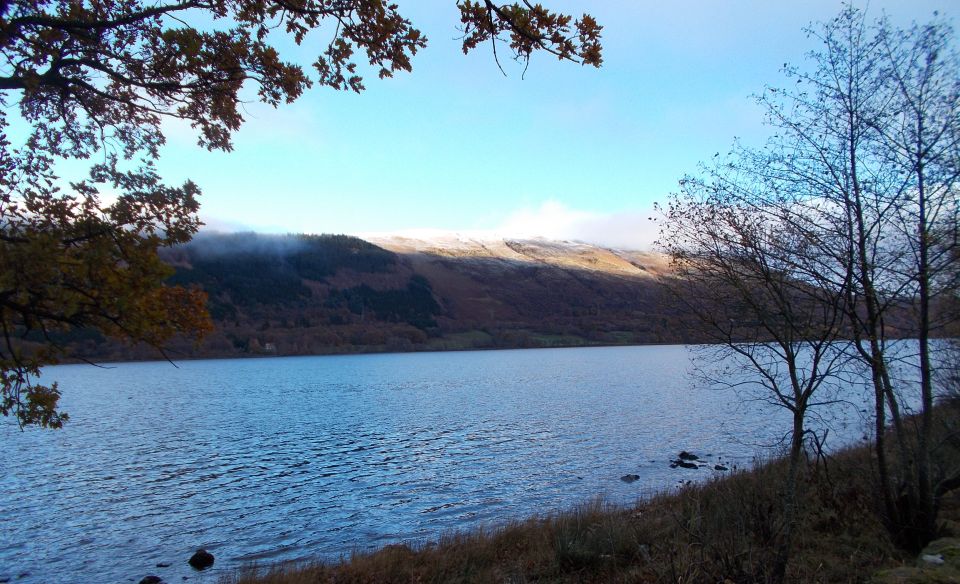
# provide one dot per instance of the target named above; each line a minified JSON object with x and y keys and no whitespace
{"x":151,"y":580}
{"x":719,"y":467}
{"x":630,"y":478}
{"x":201,"y":560}
{"x":684,"y":455}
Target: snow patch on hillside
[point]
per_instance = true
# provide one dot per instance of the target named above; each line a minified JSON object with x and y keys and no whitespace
{"x":492,"y":247}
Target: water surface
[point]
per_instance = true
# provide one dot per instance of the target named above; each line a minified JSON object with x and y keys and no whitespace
{"x":261,"y":460}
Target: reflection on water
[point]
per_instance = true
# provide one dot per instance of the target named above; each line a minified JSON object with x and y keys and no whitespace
{"x":290,"y":458}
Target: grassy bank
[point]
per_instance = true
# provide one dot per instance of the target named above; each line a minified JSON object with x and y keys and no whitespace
{"x":720,"y":531}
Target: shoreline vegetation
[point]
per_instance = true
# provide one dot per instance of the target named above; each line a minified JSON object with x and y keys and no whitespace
{"x":722,"y":530}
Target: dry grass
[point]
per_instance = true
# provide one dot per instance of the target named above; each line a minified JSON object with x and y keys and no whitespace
{"x":721,"y":531}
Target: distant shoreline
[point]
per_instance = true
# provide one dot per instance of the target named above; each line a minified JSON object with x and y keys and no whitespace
{"x":175,"y":359}
{"x":97,"y":361}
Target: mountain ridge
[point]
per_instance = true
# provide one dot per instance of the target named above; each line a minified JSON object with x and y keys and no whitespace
{"x":306,"y":294}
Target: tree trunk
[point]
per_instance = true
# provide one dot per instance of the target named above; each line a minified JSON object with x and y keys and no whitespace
{"x":926,"y":523}
{"x":862,"y":264}
{"x":790,"y":496}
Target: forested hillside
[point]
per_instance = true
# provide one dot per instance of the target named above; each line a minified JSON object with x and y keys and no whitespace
{"x":300,"y":294}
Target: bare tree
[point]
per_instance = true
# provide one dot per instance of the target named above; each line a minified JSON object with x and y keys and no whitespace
{"x":825,"y":154}
{"x":743,"y":270}
{"x":918,"y":137}
{"x":852,"y":207}
{"x":880,"y":121}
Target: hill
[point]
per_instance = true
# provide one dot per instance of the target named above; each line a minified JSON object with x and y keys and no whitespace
{"x":305,"y":294}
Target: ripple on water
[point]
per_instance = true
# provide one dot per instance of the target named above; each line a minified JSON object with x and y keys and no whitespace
{"x":294,"y":458}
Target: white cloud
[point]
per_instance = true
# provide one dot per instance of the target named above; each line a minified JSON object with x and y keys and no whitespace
{"x":556,"y":220}
{"x":552,"y":219}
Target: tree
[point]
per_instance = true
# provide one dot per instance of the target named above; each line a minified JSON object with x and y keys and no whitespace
{"x":862,"y":171}
{"x":93,"y":81}
{"x":825,"y":154}
{"x":745,"y":270}
{"x":870,"y":136}
{"x":920,"y":140}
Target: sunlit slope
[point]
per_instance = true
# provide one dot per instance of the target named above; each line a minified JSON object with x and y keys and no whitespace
{"x":537,"y":287}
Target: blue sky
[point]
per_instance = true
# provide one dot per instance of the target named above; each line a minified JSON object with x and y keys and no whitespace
{"x":564,"y":152}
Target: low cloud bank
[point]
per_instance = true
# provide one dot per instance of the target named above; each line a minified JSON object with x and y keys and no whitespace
{"x":555,"y":220}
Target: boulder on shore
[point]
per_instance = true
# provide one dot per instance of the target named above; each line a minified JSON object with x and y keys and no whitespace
{"x":938,"y":562}
{"x":201,"y":560}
